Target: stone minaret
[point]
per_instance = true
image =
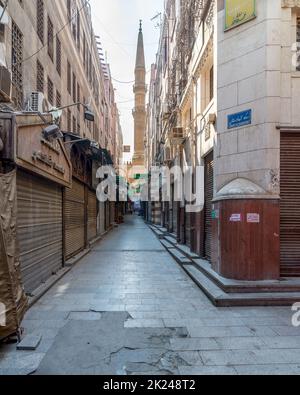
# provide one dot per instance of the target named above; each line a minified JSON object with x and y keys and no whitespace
{"x":139,"y":112}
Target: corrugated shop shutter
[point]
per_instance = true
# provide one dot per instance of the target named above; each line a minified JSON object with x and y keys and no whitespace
{"x":290,"y":204}
{"x":209,"y":194}
{"x":74,"y":217}
{"x":40,"y":227}
{"x":92,"y":215}
{"x":175,"y":217}
{"x":188,"y":235}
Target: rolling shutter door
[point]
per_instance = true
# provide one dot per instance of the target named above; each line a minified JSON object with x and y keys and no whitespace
{"x":209,"y":193}
{"x":40,"y":227}
{"x":188,"y":235}
{"x":290,"y":204}
{"x":74,"y":214}
{"x":92,"y":215}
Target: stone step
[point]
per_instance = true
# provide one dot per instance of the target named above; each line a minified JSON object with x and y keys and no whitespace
{"x":286,"y":285}
{"x":221,"y":299}
{"x":179,"y":257}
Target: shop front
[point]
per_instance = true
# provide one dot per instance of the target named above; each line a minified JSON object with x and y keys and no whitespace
{"x":43,"y":171}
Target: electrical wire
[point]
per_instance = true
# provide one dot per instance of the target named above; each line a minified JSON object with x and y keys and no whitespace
{"x":3,"y":11}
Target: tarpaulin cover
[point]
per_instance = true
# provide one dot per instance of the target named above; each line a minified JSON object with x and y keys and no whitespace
{"x":13,"y":301}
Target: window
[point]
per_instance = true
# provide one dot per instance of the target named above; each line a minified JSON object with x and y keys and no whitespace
{"x":74,"y":124}
{"x":58,"y":99}
{"x":69,"y":82}
{"x":17,"y":65}
{"x":40,"y":20}
{"x":78,"y":96}
{"x":211,"y":84}
{"x":69,"y":7}
{"x":58,"y":56}
{"x":50,"y":39}
{"x":50,"y":91}
{"x":69,"y":126}
{"x":39,"y":77}
{"x":84,"y":51}
{"x":74,"y":88}
{"x":78,"y":31}
{"x":298,"y":44}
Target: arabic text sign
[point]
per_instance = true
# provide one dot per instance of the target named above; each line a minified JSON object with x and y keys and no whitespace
{"x":240,"y":119}
{"x":236,"y":218}
{"x":253,"y":218}
{"x":238,"y":12}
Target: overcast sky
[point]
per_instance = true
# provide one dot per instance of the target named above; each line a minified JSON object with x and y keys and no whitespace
{"x":117,"y":23}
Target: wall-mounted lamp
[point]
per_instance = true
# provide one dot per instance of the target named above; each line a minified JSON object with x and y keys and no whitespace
{"x":52,"y":132}
{"x":88,"y":114}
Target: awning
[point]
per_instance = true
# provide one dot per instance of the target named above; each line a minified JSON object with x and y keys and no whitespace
{"x":90,"y":148}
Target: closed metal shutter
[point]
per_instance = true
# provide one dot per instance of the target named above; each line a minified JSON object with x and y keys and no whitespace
{"x":209,"y":194}
{"x":290,"y":204}
{"x":175,"y":217}
{"x":188,"y":236}
{"x":40,"y":227}
{"x":74,"y":217}
{"x":92,"y":216}
{"x":101,"y":218}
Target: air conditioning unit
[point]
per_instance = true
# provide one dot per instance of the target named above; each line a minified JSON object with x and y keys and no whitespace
{"x":38,"y":102}
{"x":5,"y":84}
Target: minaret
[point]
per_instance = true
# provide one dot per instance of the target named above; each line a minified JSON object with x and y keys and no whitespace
{"x":139,"y":112}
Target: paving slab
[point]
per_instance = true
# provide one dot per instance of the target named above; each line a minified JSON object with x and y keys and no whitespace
{"x":173,"y":327}
{"x":29,"y":343}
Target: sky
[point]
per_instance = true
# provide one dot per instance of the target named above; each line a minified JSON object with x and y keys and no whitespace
{"x":117,"y":24}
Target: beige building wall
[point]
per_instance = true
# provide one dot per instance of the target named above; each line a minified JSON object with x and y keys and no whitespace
{"x":255,"y":72}
{"x":89,"y":80}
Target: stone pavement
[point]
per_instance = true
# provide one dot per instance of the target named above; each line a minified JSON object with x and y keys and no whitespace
{"x":117,"y":310}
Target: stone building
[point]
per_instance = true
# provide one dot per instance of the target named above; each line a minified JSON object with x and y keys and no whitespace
{"x":53,"y":56}
{"x":225,"y":95}
{"x":50,"y":59}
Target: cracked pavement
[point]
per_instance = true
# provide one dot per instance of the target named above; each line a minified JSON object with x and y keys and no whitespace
{"x":127,"y":308}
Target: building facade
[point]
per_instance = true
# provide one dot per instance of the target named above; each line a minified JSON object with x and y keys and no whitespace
{"x":225,"y":95}
{"x":53,"y":74}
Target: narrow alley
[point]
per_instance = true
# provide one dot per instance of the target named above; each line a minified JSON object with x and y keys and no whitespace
{"x":128,"y":308}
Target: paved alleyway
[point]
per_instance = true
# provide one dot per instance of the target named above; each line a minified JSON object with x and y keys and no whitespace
{"x":85,"y":327}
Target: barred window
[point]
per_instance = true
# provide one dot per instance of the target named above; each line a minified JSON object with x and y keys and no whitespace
{"x":50,"y":39}
{"x":74,"y":88}
{"x":17,"y":65}
{"x":69,"y":126}
{"x":84,"y":51}
{"x":58,"y":99}
{"x":50,"y":91}
{"x":298,"y":44}
{"x":78,"y":30}
{"x":78,"y":96}
{"x":74,"y":124}
{"x":40,"y":20}
{"x":39,"y":77}
{"x":58,"y":56}
{"x":69,"y":81}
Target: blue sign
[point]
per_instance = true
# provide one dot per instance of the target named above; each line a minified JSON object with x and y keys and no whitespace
{"x":240,"y":119}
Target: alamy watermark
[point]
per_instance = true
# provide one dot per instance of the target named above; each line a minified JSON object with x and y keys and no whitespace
{"x":2,"y":314}
{"x":296,"y":315}
{"x":296,"y":55}
{"x":161,"y":184}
